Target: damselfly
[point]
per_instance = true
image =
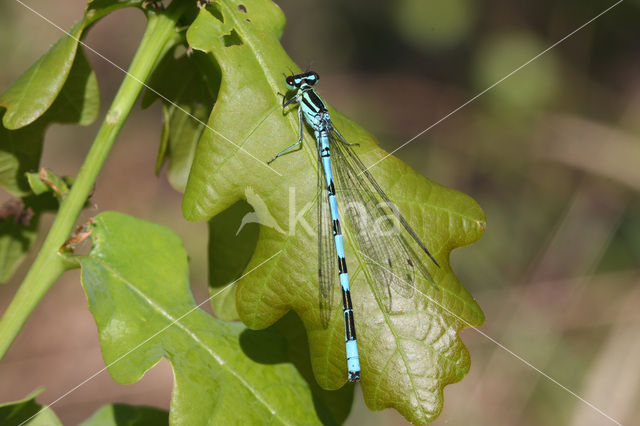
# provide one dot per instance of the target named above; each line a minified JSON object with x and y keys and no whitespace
{"x":381,"y":232}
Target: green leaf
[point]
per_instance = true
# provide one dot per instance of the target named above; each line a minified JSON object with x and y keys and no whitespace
{"x":185,"y":80}
{"x":27,"y":412}
{"x":36,"y":90}
{"x":47,"y":181}
{"x":136,"y":281}
{"x":20,"y":149}
{"x":408,"y":357}
{"x":129,"y":415}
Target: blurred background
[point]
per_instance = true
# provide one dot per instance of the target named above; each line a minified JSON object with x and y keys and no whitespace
{"x":552,"y":154}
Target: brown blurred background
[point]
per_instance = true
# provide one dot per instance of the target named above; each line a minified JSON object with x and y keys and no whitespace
{"x":552,"y":155}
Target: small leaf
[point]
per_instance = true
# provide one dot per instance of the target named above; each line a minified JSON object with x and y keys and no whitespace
{"x":47,"y":181}
{"x":37,"y":184}
{"x":136,"y":280}
{"x":129,"y":415}
{"x":27,"y":412}
{"x":407,"y":357}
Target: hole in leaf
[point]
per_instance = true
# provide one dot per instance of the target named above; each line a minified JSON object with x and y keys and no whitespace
{"x":232,"y":39}
{"x":242,"y":8}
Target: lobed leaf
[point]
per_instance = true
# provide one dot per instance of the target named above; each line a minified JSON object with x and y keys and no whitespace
{"x":136,"y":281}
{"x":407,"y":355}
{"x":20,"y":149}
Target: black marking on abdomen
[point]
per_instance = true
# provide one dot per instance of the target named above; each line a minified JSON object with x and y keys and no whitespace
{"x":349,"y":325}
{"x":331,"y":188}
{"x":336,"y":228}
{"x":342,"y":265}
{"x":346,"y":300}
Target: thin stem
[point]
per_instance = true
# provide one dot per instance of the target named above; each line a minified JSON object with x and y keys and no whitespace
{"x":49,"y":264}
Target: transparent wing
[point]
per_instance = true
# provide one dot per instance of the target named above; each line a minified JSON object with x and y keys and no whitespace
{"x":382,"y":233}
{"x":327,"y":258}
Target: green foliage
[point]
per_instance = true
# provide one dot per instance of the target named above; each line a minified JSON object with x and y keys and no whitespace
{"x":136,"y":280}
{"x":61,"y":88}
{"x":58,"y":88}
{"x":27,"y":412}
{"x":405,"y":365}
{"x":188,"y":85}
{"x":22,"y":133}
{"x":136,"y":274}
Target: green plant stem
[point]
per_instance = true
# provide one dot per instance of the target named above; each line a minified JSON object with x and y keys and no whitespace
{"x":49,"y":264}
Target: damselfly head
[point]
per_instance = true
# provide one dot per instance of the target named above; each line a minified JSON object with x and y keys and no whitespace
{"x":296,"y":81}
{"x":290,"y":82}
